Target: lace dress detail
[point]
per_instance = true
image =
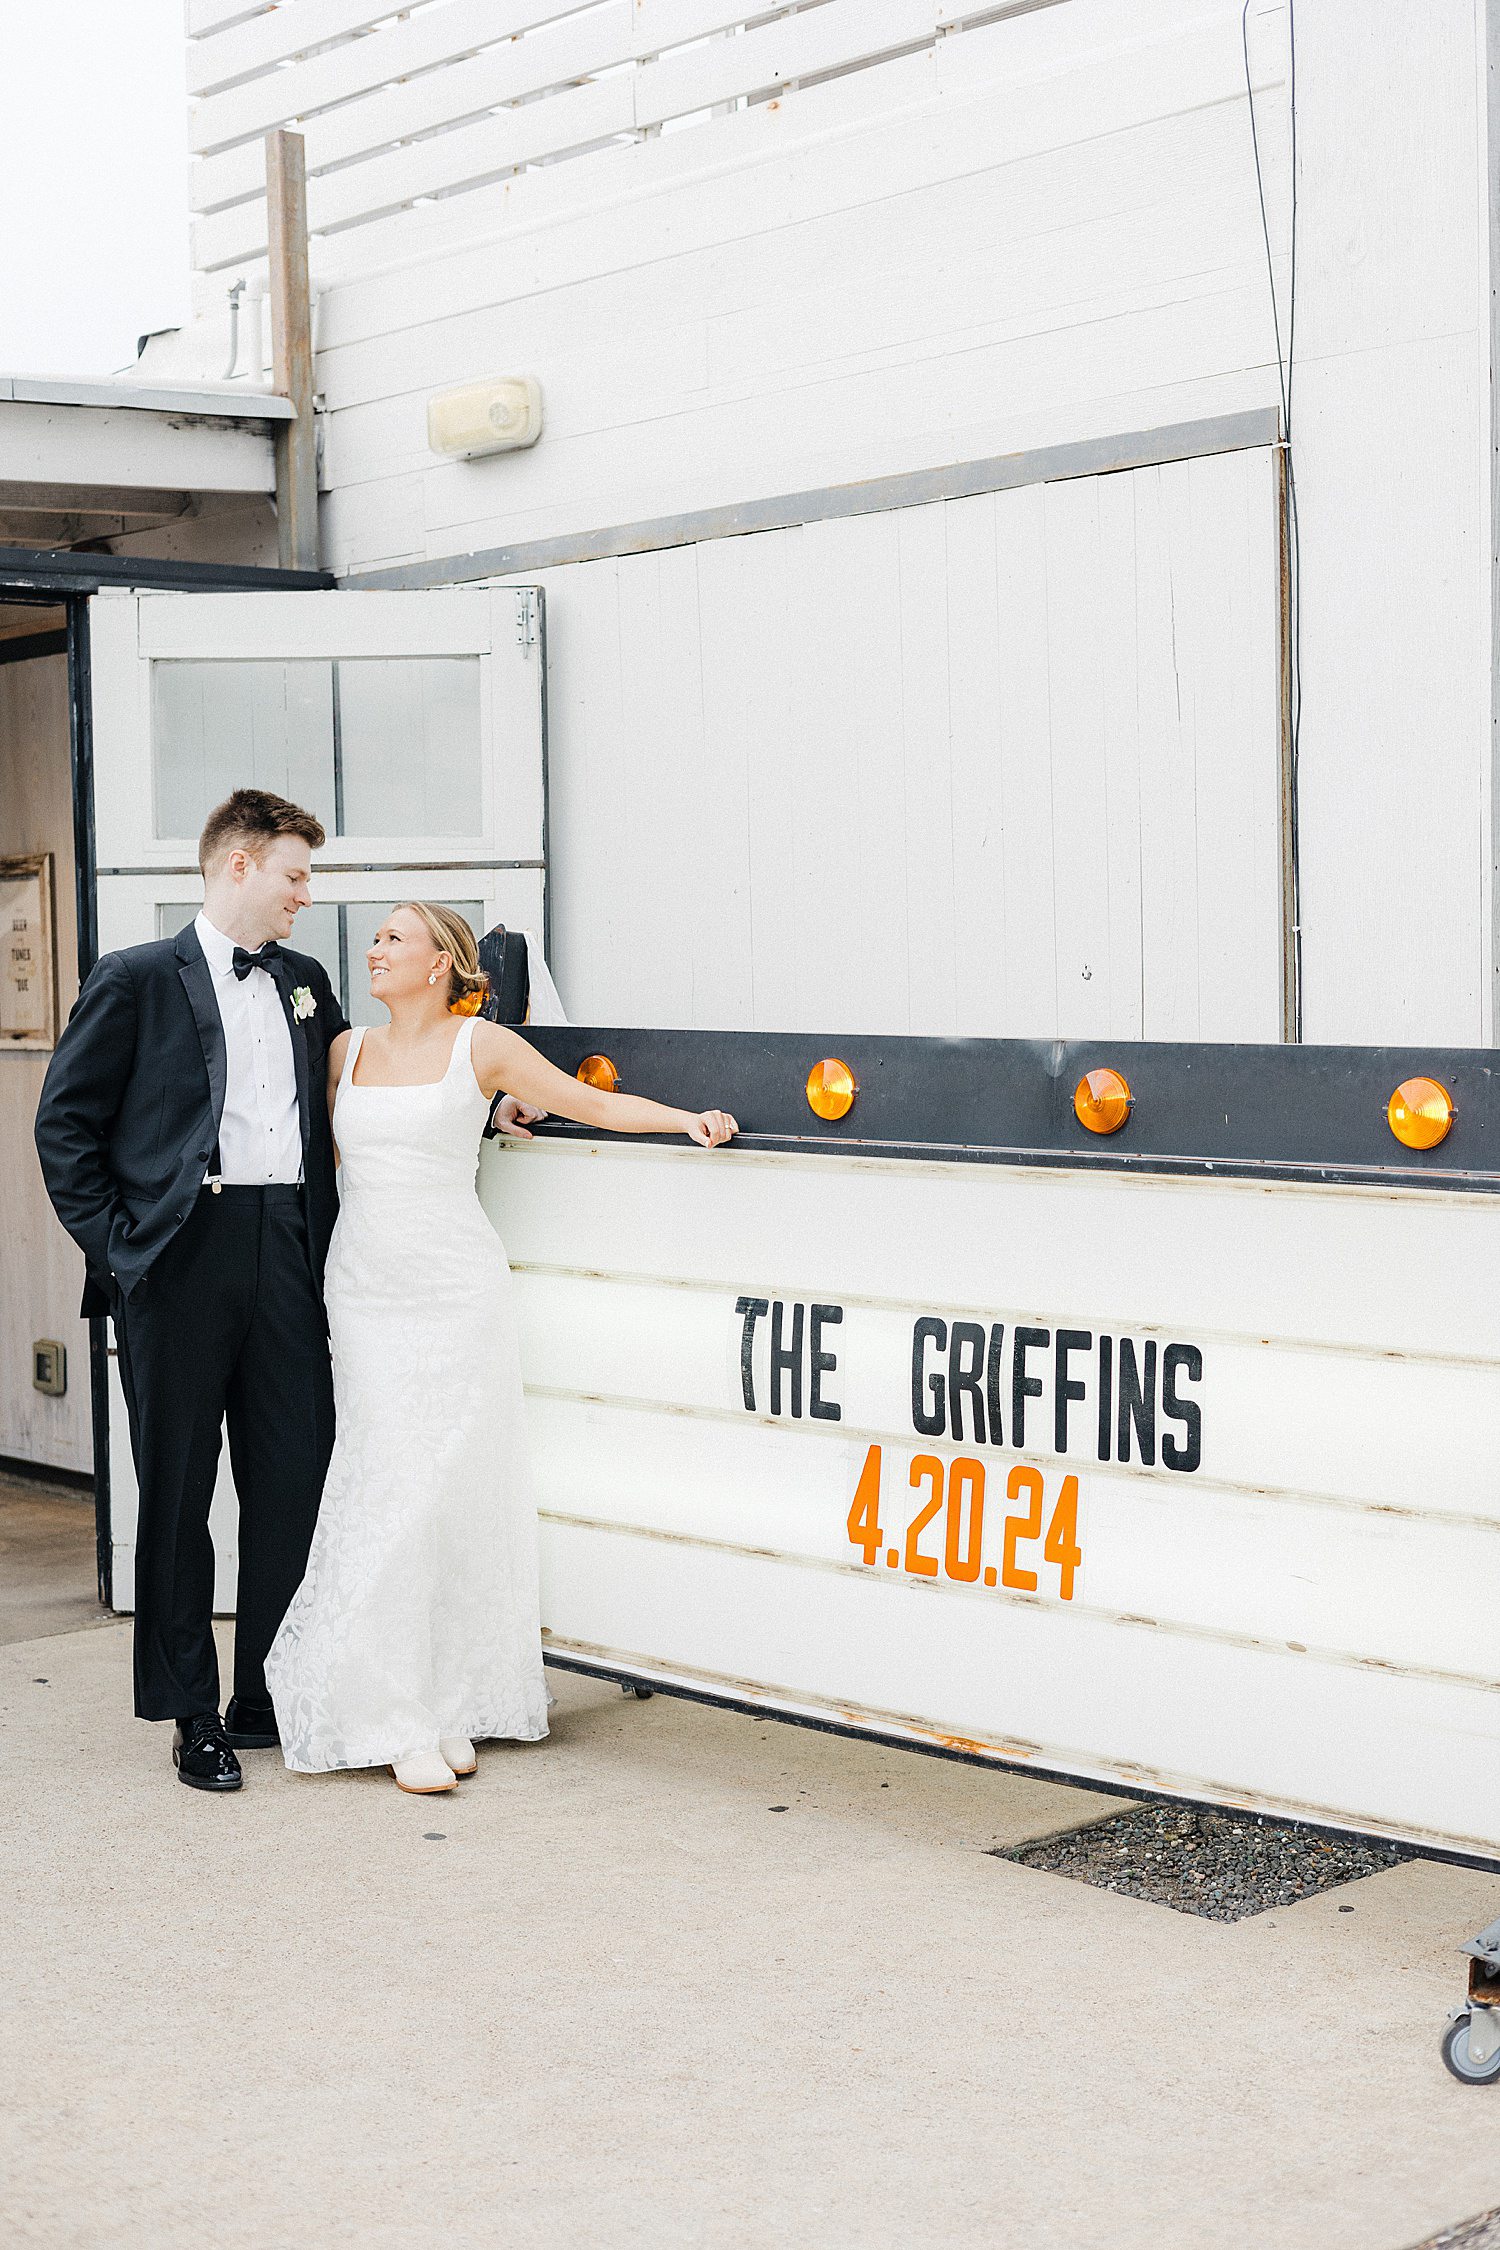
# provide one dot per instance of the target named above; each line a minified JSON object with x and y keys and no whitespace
{"x":418,"y":1616}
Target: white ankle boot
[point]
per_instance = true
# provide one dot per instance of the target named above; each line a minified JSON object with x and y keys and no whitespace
{"x":458,"y":1750}
{"x":424,"y":1773}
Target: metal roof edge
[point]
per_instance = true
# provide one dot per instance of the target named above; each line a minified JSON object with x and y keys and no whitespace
{"x":216,"y":401}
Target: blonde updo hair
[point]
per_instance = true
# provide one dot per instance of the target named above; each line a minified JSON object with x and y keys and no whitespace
{"x":468,"y":986}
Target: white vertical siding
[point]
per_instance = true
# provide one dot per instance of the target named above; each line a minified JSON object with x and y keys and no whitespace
{"x":1004,"y":765}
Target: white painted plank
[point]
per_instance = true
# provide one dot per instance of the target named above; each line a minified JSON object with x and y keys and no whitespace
{"x":460,"y":92}
{"x":1020,"y":755}
{"x":662,"y":24}
{"x":748,"y":618}
{"x":1228,"y":600}
{"x":1168,"y":750}
{"x":840,"y":33}
{"x":1077,"y":595}
{"x":260,"y":42}
{"x":850,"y":635}
{"x":966,"y":861}
{"x":1120,"y":760}
{"x":481,"y":151}
{"x":98,"y":445}
{"x":589,"y":808}
{"x":934,"y":932}
{"x":444,"y":621}
{"x":1158,"y":1276}
{"x":419,"y":42}
{"x":848,"y":886}
{"x":205,"y":18}
{"x":686,"y":910}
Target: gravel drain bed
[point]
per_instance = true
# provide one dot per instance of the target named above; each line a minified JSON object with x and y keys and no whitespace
{"x":1482,"y":2233}
{"x":1209,"y":1863}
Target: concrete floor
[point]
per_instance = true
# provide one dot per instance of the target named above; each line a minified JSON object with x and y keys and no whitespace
{"x":47,"y":1577}
{"x":606,"y":1995}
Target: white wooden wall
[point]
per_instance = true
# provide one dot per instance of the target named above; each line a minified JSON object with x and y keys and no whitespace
{"x":447,"y":99}
{"x":43,"y":1273}
{"x":876,"y":236}
{"x":1005,"y":765}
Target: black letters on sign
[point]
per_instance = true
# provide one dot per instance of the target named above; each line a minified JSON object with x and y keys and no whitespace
{"x":1023,"y":1385}
{"x":1138,"y":1401}
{"x":788,"y":1358}
{"x":963,"y":1378}
{"x":929,"y":1419}
{"x":752,"y":1308}
{"x":992,"y":1381}
{"x":1189,"y":1452}
{"x":1064,"y":1389}
{"x":1132,"y":1393}
{"x":821,"y":1363}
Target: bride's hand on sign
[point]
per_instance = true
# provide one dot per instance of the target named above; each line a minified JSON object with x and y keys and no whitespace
{"x":506,"y":1063}
{"x":515,"y":1119}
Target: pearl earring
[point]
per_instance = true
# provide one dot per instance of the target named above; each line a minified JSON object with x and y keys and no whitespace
{"x":433,"y":978}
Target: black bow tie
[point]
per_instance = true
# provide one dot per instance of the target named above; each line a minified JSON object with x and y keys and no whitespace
{"x":267,"y":958}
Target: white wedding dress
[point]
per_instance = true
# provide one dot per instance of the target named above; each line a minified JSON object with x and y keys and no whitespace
{"x":418,"y":1616}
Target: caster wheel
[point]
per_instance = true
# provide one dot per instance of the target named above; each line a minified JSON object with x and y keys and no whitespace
{"x":642,"y":1694}
{"x":1456,"y":2054}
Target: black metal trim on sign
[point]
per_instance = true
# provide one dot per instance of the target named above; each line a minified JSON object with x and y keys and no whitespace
{"x":1315,"y":1115}
{"x":997,"y":1762}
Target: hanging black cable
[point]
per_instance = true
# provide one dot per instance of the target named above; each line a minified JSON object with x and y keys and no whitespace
{"x":1285,"y":366}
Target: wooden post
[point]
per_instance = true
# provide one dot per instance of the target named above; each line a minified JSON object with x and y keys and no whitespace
{"x":291,"y":350}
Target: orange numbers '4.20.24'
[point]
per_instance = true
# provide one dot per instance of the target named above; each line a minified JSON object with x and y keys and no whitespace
{"x":955,"y":1490}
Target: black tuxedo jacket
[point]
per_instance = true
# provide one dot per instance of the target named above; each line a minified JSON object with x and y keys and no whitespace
{"x":130,"y":1108}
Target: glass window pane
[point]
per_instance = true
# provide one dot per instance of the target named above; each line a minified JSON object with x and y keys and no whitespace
{"x":409,"y":735}
{"x":361,"y":923}
{"x":255,"y":725}
{"x":315,"y":931}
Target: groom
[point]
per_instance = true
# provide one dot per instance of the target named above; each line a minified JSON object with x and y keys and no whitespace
{"x":184,"y":1138}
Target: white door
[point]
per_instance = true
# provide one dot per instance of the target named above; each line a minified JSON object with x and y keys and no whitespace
{"x":410,"y":723}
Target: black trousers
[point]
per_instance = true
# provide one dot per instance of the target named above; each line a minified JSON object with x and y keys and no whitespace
{"x":228,"y":1327}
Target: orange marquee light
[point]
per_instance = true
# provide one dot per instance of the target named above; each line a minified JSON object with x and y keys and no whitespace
{"x":1102,"y":1101}
{"x":1420,"y":1112}
{"x":831,"y":1088}
{"x":598,"y":1070}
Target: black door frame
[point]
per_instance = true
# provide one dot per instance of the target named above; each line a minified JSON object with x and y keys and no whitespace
{"x":52,"y":577}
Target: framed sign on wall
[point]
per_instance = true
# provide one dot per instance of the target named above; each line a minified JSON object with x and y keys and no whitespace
{"x":28,"y":957}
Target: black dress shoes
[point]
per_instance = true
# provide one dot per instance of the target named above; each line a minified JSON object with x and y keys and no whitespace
{"x":250,"y":1726}
{"x":202,"y":1756}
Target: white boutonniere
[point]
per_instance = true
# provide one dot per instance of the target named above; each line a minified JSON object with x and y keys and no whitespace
{"x":303,"y":1004}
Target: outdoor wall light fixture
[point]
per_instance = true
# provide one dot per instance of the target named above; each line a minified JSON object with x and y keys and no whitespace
{"x":497,"y":417}
{"x":1102,"y":1101}
{"x":831,"y":1088}
{"x":1420,"y":1112}
{"x":598,"y":1070}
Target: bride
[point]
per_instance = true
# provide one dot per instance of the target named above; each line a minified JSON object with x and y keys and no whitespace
{"x":416,"y":1629}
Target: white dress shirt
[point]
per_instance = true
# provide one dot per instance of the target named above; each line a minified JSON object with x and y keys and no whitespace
{"x":260,"y":1133}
